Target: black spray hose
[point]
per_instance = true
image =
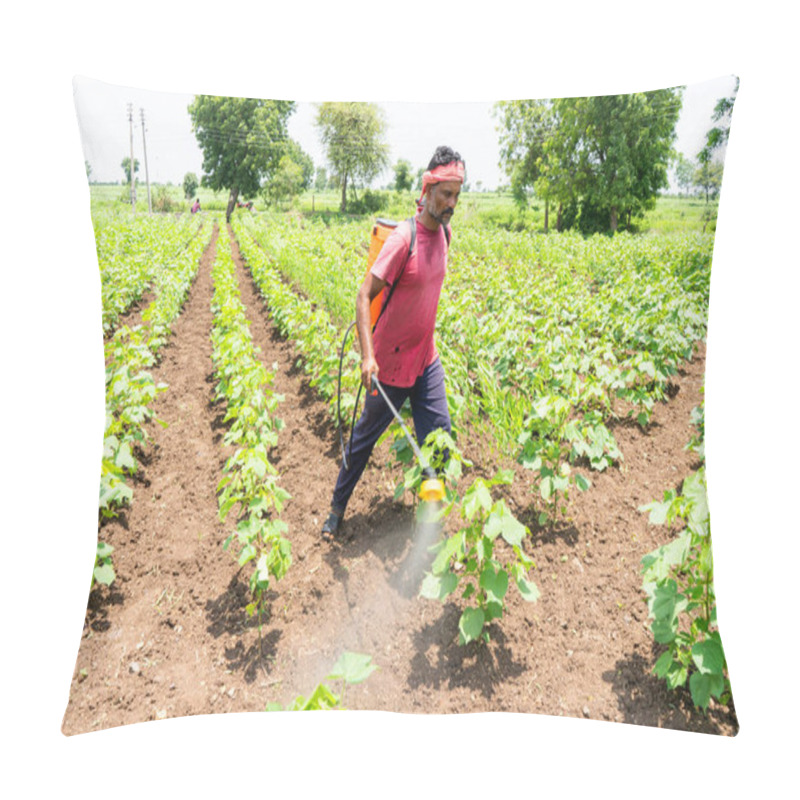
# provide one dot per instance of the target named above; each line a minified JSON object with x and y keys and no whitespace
{"x":339,"y":402}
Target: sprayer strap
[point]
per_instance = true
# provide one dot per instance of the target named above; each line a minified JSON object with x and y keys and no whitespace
{"x":413,"y":224}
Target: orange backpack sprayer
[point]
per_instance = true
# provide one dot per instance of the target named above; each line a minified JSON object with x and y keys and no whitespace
{"x":432,"y":489}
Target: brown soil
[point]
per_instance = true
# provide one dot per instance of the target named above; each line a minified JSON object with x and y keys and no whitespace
{"x":171,"y":637}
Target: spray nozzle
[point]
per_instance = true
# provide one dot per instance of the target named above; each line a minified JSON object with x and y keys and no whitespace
{"x":432,"y":489}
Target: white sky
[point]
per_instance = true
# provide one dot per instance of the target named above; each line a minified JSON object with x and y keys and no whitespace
{"x":414,"y":130}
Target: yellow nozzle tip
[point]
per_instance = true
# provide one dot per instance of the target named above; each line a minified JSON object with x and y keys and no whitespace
{"x":432,"y":490}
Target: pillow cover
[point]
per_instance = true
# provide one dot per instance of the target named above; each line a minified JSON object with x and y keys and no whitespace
{"x":567,"y":569}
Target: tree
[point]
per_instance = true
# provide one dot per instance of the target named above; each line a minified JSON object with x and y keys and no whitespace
{"x":243,"y":141}
{"x":718,"y":135}
{"x":352,"y":134}
{"x":623,"y":145}
{"x":304,"y":161}
{"x":321,"y":179}
{"x":684,"y":173}
{"x":126,"y":166}
{"x":708,"y":175}
{"x":287,"y":181}
{"x":526,"y":127}
{"x":190,"y":184}
{"x":402,"y":176}
{"x":602,"y":159}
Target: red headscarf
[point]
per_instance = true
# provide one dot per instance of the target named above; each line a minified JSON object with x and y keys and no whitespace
{"x":454,"y":171}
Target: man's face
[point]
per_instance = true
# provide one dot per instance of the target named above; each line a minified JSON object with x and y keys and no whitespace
{"x":442,"y":199}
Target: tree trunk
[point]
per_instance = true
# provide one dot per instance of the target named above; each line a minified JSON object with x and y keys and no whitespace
{"x":558,"y":217}
{"x":234,"y":196}
{"x":613,"y":218}
{"x":343,"y":206}
{"x":546,"y":214}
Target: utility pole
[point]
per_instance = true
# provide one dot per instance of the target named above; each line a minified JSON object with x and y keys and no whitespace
{"x":146,"y":173}
{"x":132,"y":170}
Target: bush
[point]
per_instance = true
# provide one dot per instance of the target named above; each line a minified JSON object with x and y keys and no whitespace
{"x":369,"y":203}
{"x":163,"y":201}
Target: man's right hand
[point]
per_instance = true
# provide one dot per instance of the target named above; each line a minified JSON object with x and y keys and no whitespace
{"x":369,"y":367}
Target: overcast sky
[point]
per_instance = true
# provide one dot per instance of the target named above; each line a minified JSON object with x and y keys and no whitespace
{"x":414,"y":130}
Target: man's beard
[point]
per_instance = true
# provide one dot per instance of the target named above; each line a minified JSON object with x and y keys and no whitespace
{"x":444,"y":217}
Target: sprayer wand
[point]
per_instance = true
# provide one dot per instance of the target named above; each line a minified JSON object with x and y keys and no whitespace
{"x":432,"y":488}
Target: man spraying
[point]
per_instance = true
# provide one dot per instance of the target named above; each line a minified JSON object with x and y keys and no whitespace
{"x":402,"y":353}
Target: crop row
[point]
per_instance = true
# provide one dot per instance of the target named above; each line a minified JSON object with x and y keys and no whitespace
{"x":678,"y":583}
{"x":310,"y":327}
{"x":250,"y":481}
{"x":132,"y":252}
{"x":130,"y":387}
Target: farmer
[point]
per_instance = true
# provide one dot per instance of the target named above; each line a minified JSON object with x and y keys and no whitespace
{"x":402,"y":353}
{"x":196,"y":206}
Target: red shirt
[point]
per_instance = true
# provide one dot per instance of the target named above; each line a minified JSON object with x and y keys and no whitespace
{"x":403,"y":338}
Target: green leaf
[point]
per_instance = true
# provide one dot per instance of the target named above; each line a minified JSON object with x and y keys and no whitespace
{"x":528,"y":590}
{"x":582,"y":483}
{"x":667,"y":604}
{"x":124,"y":458}
{"x":502,"y":522}
{"x":495,"y":584}
{"x":352,"y":668}
{"x":663,"y":665}
{"x":438,"y":587}
{"x":705,"y":686}
{"x":448,"y":549}
{"x":104,"y":573}
{"x":248,"y":552}
{"x":658,"y":511}
{"x":504,"y":476}
{"x":471,"y":624}
{"x":477,"y":496}
{"x":104,"y":550}
{"x":708,"y":656}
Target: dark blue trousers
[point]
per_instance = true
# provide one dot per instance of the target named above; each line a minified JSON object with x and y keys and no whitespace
{"x":428,"y":407}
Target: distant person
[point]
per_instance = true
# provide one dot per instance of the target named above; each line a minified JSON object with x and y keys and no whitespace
{"x":196,"y":206}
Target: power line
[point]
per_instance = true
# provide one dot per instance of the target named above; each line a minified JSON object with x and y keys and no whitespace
{"x":146,"y":172}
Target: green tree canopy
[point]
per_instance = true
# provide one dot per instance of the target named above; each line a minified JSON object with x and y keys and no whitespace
{"x":606,"y":157}
{"x":242,"y":139}
{"x":709,"y":174}
{"x":321,"y":179}
{"x":402,"y":176}
{"x":126,"y":167}
{"x":526,"y":125}
{"x":287,"y":182}
{"x":708,"y":178}
{"x":190,"y":184}
{"x":684,"y":173}
{"x":352,"y":134}
{"x":304,"y":161}
{"x":718,"y":135}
